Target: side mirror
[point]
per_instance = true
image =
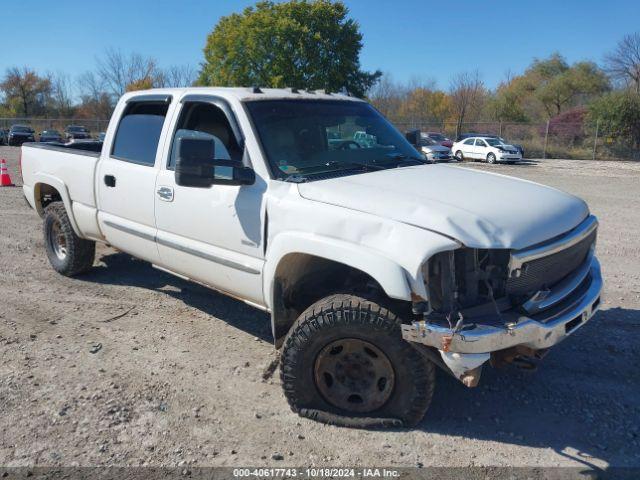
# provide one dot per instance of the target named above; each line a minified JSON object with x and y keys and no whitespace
{"x":197,"y":167}
{"x":413,"y":137}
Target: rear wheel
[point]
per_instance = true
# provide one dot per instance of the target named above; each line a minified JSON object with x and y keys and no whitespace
{"x":459,"y":156}
{"x":68,"y":254}
{"x":344,"y":362}
{"x":491,"y":158}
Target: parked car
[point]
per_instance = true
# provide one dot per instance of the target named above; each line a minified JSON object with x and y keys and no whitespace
{"x":4,"y":133}
{"x":440,"y":138}
{"x":18,"y":134}
{"x":432,"y":150}
{"x":51,"y":136}
{"x":489,"y":149}
{"x":76,"y":132}
{"x":490,"y":135}
{"x":375,"y":266}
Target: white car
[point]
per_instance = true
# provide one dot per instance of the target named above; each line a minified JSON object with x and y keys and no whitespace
{"x":489,"y":149}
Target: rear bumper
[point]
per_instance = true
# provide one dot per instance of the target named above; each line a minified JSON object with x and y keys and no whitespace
{"x":536,"y":332}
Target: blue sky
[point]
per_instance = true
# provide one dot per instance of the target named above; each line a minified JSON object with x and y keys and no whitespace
{"x":405,"y":37}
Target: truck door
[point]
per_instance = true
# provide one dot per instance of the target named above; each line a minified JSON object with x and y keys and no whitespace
{"x":213,"y":235}
{"x":126,"y":177}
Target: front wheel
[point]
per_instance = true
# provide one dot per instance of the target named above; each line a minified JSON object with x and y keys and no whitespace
{"x":491,"y":158}
{"x":344,"y":362}
{"x":68,"y":254}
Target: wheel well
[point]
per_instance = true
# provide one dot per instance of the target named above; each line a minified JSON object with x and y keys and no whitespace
{"x":302,"y":279}
{"x":44,"y":195}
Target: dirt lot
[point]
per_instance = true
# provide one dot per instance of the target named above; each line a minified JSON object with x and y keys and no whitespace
{"x":176,"y":377}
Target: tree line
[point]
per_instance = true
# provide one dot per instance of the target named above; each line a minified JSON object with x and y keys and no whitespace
{"x":316,"y":45}
{"x":26,"y":93}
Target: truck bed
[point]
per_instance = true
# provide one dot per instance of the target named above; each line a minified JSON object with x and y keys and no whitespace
{"x":73,"y":163}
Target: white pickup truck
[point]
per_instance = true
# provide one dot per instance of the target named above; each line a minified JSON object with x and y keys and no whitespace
{"x":374,"y":265}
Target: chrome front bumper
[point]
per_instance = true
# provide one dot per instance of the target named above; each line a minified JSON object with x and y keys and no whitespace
{"x":536,"y":333}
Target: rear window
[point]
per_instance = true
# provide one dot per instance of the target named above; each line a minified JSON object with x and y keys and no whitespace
{"x":139,"y":131}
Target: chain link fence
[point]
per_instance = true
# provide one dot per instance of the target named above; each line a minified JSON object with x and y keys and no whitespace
{"x":578,"y":141}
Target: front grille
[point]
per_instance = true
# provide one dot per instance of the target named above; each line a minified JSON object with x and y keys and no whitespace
{"x":545,"y":272}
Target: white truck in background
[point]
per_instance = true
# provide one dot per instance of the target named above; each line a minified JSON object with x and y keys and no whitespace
{"x":374,"y":265}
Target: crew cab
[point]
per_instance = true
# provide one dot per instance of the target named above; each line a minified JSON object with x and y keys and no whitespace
{"x":375,"y":265}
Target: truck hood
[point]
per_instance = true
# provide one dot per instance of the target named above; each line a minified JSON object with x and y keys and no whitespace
{"x":479,"y":209}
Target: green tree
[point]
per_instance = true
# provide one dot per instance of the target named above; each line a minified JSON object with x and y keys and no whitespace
{"x":560,"y":89}
{"x":546,"y":89}
{"x":305,"y":44}
{"x":618,"y":112}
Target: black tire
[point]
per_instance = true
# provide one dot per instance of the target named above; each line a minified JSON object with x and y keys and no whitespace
{"x":491,"y":158}
{"x":459,"y":156}
{"x":68,"y":254}
{"x":348,"y":318}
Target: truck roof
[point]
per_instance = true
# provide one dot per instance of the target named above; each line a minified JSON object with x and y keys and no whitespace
{"x":249,"y":93}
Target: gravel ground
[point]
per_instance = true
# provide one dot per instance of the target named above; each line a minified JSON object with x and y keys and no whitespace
{"x":130,"y":366}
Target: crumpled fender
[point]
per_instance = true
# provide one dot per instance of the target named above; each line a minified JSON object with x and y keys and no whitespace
{"x":389,"y":251}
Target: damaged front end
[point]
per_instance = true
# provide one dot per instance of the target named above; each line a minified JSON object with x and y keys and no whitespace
{"x":506,"y":306}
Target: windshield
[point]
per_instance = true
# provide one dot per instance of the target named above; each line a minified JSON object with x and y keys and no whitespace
{"x":21,"y":129}
{"x":51,"y":132}
{"x":493,"y":141}
{"x":303,"y":138}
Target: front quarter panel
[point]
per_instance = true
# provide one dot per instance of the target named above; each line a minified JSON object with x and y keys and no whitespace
{"x":389,"y":251}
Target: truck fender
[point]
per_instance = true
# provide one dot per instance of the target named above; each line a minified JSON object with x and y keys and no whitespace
{"x":40,"y":179}
{"x":389,"y":275}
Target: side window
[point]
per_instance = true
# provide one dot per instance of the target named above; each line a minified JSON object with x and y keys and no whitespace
{"x":469,"y":142}
{"x":204,"y":120}
{"x":139,"y":131}
{"x":480,"y":143}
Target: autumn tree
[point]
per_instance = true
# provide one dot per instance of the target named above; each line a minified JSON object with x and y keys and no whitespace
{"x":118,"y":70}
{"x":387,"y":95}
{"x":305,"y":44}
{"x":623,"y":64}
{"x":427,"y":104}
{"x":466,"y":91}
{"x":26,"y":93}
{"x":95,"y":101}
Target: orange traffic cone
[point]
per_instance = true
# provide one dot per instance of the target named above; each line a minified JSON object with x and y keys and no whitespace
{"x":5,"y":179}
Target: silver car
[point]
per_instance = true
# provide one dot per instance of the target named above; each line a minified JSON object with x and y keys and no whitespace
{"x":433,"y":151}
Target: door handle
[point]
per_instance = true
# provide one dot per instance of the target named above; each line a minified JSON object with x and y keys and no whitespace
{"x":110,"y":181}
{"x":165,"y":193}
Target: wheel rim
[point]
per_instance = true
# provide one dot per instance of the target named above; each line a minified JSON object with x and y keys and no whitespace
{"x":57,"y":240}
{"x":354,"y":375}
{"x":459,"y":155}
{"x":492,"y":158}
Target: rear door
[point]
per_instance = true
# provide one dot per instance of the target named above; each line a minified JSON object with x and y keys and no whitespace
{"x":126,"y":177}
